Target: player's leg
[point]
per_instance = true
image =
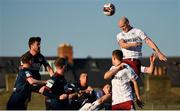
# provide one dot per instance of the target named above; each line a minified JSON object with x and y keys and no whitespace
{"x":16,"y":102}
{"x":48,"y":103}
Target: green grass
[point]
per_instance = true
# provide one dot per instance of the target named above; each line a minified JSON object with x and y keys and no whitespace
{"x":36,"y":103}
{"x":168,"y":102}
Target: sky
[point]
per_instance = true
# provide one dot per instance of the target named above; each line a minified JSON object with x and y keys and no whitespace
{"x":82,"y":24}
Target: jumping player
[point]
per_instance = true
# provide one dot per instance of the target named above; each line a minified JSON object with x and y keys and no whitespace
{"x":22,"y":87}
{"x":122,"y":96}
{"x":130,"y":41}
{"x":84,"y":93}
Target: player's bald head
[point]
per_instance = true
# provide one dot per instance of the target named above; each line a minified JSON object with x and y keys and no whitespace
{"x":124,"y":24}
{"x":123,"y":20}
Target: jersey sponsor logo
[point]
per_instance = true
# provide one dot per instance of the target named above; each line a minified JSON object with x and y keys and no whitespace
{"x":27,"y":74}
{"x":137,"y":39}
{"x":50,"y":83}
{"x":133,"y":33}
{"x":119,"y":78}
{"x":123,"y":34}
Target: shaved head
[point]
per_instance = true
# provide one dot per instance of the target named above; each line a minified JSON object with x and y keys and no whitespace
{"x":124,"y":24}
{"x":124,"y":19}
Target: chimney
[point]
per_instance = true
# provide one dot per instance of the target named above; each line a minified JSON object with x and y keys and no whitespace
{"x":65,"y":50}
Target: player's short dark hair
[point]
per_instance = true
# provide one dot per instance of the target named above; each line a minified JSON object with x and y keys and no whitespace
{"x":60,"y":62}
{"x":82,"y":72}
{"x":25,"y":58}
{"x":118,"y":54}
{"x":33,"y":39}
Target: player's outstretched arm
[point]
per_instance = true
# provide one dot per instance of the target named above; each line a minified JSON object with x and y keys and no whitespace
{"x":47,"y":92}
{"x":35,"y":81}
{"x":149,"y":70}
{"x":151,"y":44}
{"x":63,"y":96}
{"x":89,"y":90}
{"x":73,"y":95}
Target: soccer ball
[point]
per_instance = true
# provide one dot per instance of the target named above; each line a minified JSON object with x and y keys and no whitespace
{"x":109,"y":9}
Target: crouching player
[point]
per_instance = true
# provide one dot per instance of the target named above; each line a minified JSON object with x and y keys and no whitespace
{"x":103,"y":100}
{"x":83,"y":94}
{"x":22,"y":89}
{"x":54,"y":88}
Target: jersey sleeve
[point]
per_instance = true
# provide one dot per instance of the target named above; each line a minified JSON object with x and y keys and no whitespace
{"x":28,"y":74}
{"x":143,"y":69}
{"x":99,"y":94}
{"x":50,"y":83}
{"x":47,"y":90}
{"x":119,"y":37}
{"x":142,"y":35}
{"x":112,"y":67}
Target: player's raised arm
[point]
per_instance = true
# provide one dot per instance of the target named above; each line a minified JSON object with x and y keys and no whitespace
{"x":151,"y":44}
{"x":50,"y":70}
{"x":112,"y":71}
{"x":47,"y":66}
{"x":149,"y":70}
